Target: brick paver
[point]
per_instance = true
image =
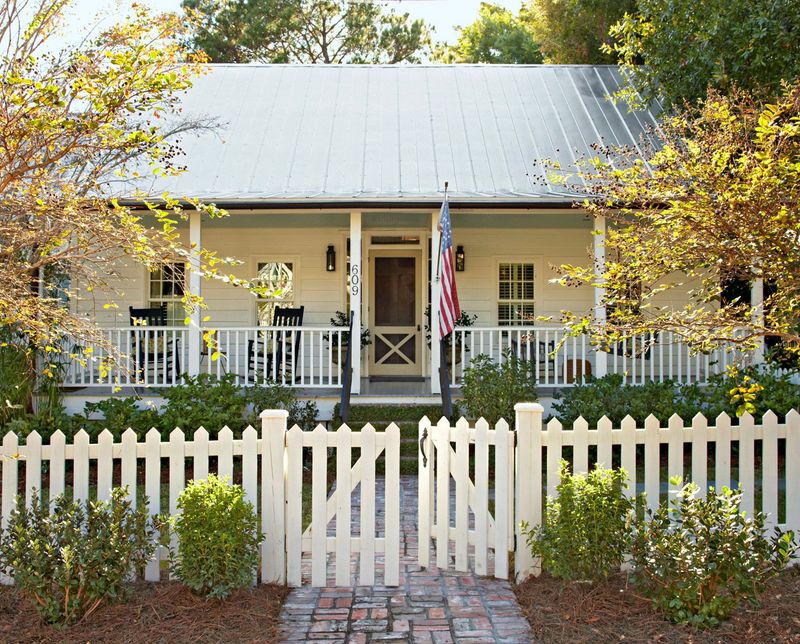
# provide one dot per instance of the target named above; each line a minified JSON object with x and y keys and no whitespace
{"x":428,"y":606}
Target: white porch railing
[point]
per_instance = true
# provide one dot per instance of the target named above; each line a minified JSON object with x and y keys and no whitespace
{"x":304,"y":356}
{"x":561,"y":361}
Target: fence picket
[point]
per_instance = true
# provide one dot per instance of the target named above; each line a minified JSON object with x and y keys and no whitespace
{"x":105,"y":465}
{"x":501,"y":499}
{"x":250,"y":465}
{"x":747,"y":462}
{"x":319,"y":494}
{"x":675,"y":448}
{"x":580,"y":449}
{"x":10,"y":463}
{"x":553,"y":456}
{"x":481,"y":497}
{"x":769,"y":474}
{"x":652,"y":461}
{"x":367,"y":530}
{"x":700,"y":453}
{"x":722,"y":474}
{"x":392,"y":507}
{"x":225,"y":458}
{"x":604,"y":443}
{"x":344,"y":456}
{"x":793,"y":471}
{"x":33,"y":467}
{"x":461,"y":475}
{"x":628,"y":452}
{"x":152,"y":486}
{"x":80,"y":482}
{"x":200,"y":461}
{"x":177,"y":481}
{"x":274,"y":512}
{"x":128,"y":457}
{"x":441,"y":436}
{"x":58,"y":462}
{"x":425,"y":473}
{"x":294,"y":504}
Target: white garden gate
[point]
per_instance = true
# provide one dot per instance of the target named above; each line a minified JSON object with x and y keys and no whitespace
{"x":477,"y":464}
{"x":288,"y":539}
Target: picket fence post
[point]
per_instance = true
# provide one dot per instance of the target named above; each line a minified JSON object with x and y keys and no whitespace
{"x":528,"y":424}
{"x":273,"y":524}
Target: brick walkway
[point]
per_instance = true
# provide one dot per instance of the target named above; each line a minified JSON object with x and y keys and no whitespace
{"x":428,"y":606}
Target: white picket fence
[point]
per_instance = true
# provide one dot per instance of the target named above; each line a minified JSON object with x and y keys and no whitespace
{"x":541,"y":448}
{"x":444,"y":470}
{"x":278,"y":477}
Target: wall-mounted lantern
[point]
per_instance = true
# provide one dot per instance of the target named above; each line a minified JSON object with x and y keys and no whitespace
{"x":330,"y":259}
{"x":460,"y":259}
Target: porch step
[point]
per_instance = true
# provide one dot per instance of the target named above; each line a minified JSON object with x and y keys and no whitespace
{"x":385,"y":414}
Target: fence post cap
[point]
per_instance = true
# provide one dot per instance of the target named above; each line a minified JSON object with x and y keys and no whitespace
{"x":274,"y":413}
{"x":527,"y":406}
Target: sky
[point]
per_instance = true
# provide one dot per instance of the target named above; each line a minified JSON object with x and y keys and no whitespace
{"x":444,"y":15}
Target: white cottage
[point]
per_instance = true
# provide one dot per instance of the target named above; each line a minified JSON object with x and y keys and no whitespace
{"x":333,"y":177}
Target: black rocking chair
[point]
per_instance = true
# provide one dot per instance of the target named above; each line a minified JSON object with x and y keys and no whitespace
{"x":154,"y":351}
{"x":274,"y":354}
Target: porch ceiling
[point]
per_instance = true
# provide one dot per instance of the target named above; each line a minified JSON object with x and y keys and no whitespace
{"x":293,"y":135}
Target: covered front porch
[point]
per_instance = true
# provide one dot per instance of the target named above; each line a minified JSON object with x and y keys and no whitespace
{"x":378,"y":267}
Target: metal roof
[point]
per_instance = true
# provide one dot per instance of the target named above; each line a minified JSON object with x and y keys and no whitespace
{"x":321,"y":134}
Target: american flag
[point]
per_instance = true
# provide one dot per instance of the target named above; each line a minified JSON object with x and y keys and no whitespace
{"x":449,"y":310}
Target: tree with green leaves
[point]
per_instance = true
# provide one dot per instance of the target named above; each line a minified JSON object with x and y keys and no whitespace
{"x":497,"y":36}
{"x":77,"y":126}
{"x":304,"y":31}
{"x":576,"y":31}
{"x":674,"y":50}
{"x":716,"y":201}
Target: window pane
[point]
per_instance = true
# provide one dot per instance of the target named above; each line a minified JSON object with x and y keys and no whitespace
{"x":516,"y":294}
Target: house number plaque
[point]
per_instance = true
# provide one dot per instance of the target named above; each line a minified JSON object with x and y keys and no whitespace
{"x":354,"y":279}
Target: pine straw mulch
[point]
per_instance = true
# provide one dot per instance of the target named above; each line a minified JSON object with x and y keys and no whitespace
{"x":164,"y":612}
{"x":613,"y":612}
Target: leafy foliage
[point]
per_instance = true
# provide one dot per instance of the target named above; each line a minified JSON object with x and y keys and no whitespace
{"x":217,"y":531}
{"x":676,"y":49}
{"x":496,"y":36}
{"x":491,"y":390}
{"x":340,"y":318}
{"x":586,"y":531}
{"x":206,"y":401}
{"x":119,"y":414}
{"x":573,"y":32}
{"x":712,"y":203}
{"x":697,"y":559}
{"x":73,"y":560}
{"x":61,"y":232}
{"x":608,"y":396}
{"x":277,"y":396}
{"x":304,"y":31}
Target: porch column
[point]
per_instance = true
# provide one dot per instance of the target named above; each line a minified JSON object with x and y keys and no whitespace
{"x":356,"y":279}
{"x":435,"y":291}
{"x":757,"y":303}
{"x":195,"y":335}
{"x":601,"y":357}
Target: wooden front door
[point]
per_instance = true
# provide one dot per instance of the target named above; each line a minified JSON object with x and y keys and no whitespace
{"x":395,"y":313}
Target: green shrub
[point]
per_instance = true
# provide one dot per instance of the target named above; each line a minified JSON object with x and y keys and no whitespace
{"x":218,"y":538}
{"x":491,"y":390}
{"x":696,"y":559}
{"x":206,"y":401}
{"x":610,"y":397}
{"x":587,"y":530}
{"x":118,"y":415}
{"x":78,"y":557}
{"x":277,"y":396}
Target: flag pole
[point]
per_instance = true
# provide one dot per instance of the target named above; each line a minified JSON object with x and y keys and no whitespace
{"x":444,"y":372}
